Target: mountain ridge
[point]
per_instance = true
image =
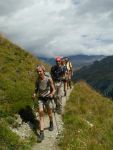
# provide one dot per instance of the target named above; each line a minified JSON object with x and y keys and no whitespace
{"x":78,"y":61}
{"x":99,"y":75}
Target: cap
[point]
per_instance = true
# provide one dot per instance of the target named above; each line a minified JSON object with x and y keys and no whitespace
{"x":58,"y":58}
{"x":66,"y":58}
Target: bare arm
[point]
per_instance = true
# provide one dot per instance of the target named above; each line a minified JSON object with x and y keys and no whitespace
{"x":52,"y":87}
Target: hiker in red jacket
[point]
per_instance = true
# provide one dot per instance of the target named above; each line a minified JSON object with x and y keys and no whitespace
{"x":45,"y":89}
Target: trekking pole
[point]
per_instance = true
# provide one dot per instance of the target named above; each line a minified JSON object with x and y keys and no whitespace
{"x":66,"y":97}
{"x":33,"y":98}
{"x":55,"y":116}
{"x":33,"y":107}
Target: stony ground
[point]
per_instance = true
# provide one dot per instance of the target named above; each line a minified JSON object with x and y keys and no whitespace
{"x":51,"y":137}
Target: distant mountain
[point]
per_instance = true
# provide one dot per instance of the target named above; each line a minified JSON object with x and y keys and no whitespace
{"x":99,"y":75}
{"x":50,"y":61}
{"x":78,"y":61}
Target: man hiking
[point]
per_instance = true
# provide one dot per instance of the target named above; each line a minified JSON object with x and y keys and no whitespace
{"x":70,"y":72}
{"x":45,"y":89}
{"x":57,"y":73}
{"x":65,"y":76}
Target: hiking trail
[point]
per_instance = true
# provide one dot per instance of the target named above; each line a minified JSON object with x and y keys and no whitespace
{"x":51,"y":137}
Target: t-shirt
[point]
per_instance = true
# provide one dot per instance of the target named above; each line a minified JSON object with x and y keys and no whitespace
{"x":57,"y":73}
{"x":43,"y":87}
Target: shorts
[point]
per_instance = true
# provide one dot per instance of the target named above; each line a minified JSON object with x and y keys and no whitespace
{"x":44,"y":104}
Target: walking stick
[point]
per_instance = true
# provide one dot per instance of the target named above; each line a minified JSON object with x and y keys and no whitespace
{"x":33,"y":107}
{"x":55,"y":116}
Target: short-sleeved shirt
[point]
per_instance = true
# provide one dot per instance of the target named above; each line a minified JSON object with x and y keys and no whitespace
{"x":57,"y":73}
{"x":43,"y":87}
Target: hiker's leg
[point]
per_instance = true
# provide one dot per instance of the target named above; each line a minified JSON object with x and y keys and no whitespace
{"x":41,"y":115}
{"x":49,"y":109}
{"x":41,"y":120}
{"x":56,"y":95}
{"x":70,"y":84}
{"x":59,"y":99}
{"x":70,"y":79}
{"x":65,"y":88}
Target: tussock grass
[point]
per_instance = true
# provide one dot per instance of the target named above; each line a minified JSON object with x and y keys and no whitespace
{"x":88,"y":120}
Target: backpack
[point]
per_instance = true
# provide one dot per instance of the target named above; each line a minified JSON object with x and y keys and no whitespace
{"x":47,"y":74}
{"x":69,"y":66}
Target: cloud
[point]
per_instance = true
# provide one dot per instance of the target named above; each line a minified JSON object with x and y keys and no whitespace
{"x":59,"y":27}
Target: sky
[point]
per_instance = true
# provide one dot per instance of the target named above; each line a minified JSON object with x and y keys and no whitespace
{"x":59,"y":27}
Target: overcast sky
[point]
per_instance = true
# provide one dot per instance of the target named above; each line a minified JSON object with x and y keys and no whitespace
{"x":59,"y":27}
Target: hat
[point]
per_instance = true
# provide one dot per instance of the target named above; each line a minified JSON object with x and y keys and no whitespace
{"x":58,"y":58}
{"x":66,"y":58}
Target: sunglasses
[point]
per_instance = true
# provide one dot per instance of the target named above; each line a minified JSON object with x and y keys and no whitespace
{"x":58,"y":60}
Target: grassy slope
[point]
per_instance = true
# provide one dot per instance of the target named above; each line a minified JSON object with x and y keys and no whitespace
{"x":16,"y":86}
{"x":88,"y":121}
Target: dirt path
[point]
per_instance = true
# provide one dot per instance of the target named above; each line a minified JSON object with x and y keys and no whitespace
{"x":50,"y":141}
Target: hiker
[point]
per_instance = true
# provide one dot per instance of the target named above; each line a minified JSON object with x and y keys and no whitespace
{"x":57,"y":73}
{"x":46,"y":72}
{"x":70,"y":72}
{"x":45,"y":90}
{"x":65,"y":76}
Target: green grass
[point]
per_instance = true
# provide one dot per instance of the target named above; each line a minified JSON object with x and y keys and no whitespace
{"x":88,"y":121}
{"x":10,"y":141}
{"x":17,"y":77}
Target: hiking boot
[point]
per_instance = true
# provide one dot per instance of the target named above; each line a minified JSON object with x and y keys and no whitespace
{"x":41,"y":136}
{"x":51,"y":127}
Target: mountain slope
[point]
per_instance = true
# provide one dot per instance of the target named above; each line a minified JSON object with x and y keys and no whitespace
{"x":88,"y":120}
{"x":79,"y":61}
{"x":99,"y":75}
{"x":16,"y":87}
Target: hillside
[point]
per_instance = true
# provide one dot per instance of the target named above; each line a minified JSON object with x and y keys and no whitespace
{"x":78,"y":61}
{"x":99,"y":75}
{"x":16,"y":87}
{"x":88,"y":120}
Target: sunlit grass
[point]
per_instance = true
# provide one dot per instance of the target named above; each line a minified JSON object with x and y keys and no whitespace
{"x":17,"y":77}
{"x":88,"y":120}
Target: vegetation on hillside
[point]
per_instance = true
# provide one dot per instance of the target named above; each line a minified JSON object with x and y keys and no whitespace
{"x":99,"y":75}
{"x":88,"y":120}
{"x":16,"y":87}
